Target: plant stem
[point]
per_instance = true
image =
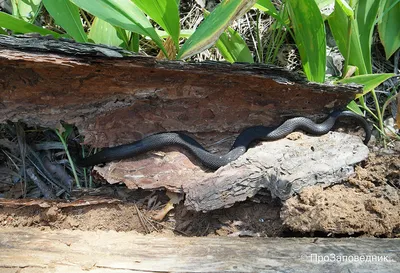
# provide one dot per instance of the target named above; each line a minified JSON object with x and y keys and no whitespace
{"x":378,"y":110}
{"x":85,"y":18}
{"x":71,"y":162}
{"x":84,"y":169}
{"x":259,"y":43}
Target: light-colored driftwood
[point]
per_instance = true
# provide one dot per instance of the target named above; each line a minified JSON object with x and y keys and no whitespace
{"x":32,"y":250}
{"x":284,"y":167}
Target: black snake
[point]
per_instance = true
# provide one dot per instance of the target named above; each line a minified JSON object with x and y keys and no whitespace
{"x":239,"y":147}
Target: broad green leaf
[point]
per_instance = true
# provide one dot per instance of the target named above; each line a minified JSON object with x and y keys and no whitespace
{"x":309,"y":32}
{"x":124,"y":14}
{"x":165,"y":13}
{"x":20,"y":26}
{"x":213,"y":26}
{"x":345,"y":8}
{"x":233,"y":47}
{"x":353,"y":106}
{"x":326,"y":7}
{"x":389,"y":27}
{"x":25,"y":9}
{"x":2,"y":31}
{"x":366,"y":13}
{"x":102,"y":32}
{"x":67,"y":16}
{"x":348,"y":43}
{"x":369,"y":81}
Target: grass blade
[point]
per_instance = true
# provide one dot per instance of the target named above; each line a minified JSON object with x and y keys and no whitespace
{"x":309,"y":32}
{"x":124,"y":14}
{"x":213,"y":26}
{"x":165,"y":13}
{"x":281,"y":17}
{"x":67,"y":16}
{"x":20,"y":26}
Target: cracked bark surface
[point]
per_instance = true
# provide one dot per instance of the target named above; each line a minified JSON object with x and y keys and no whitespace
{"x":115,"y":97}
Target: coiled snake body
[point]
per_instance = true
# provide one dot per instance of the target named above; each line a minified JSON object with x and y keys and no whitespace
{"x":242,"y":142}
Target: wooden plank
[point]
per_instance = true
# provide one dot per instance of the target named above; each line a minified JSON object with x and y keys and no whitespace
{"x":32,"y":250}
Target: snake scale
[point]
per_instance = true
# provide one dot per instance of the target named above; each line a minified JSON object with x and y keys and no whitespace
{"x":239,"y":147}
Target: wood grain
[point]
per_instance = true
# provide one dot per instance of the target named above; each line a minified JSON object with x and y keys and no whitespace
{"x":32,"y":250}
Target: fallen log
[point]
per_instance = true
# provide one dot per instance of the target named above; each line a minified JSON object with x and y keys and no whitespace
{"x":116,"y":97}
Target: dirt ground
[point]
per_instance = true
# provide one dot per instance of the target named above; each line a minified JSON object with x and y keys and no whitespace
{"x":367,"y":204}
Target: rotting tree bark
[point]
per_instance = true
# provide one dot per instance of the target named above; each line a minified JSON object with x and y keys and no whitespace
{"x":115,"y":97}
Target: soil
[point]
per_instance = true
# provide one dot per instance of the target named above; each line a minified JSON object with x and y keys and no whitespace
{"x":367,"y":204}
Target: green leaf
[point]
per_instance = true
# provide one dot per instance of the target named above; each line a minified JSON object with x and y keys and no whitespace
{"x":369,"y":81}
{"x":267,"y":7}
{"x":366,"y":13}
{"x":389,"y":27}
{"x":233,"y":47}
{"x":68,"y":129}
{"x":25,"y":9}
{"x":309,"y":31}
{"x":185,"y":33}
{"x":20,"y":26}
{"x":345,"y":8}
{"x":353,"y":106}
{"x":213,"y":26}
{"x":102,"y":32}
{"x":165,"y":13}
{"x":134,"y":42}
{"x":348,"y":43}
{"x":2,"y":31}
{"x":67,"y":16}
{"x":124,"y":14}
{"x":326,"y":7}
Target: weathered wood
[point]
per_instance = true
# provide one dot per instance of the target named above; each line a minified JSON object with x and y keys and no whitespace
{"x":284,"y":167}
{"x":32,"y":250}
{"x":115,"y":97}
